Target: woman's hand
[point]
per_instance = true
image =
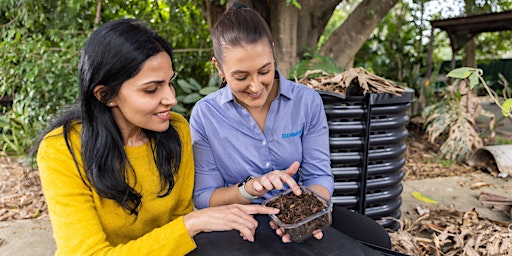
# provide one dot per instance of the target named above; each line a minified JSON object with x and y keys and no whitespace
{"x":285,"y":238}
{"x":274,"y":180}
{"x":228,"y":217}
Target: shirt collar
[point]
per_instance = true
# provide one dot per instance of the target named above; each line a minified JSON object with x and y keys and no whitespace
{"x":284,"y":89}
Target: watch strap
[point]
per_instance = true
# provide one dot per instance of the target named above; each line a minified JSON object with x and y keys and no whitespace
{"x":243,"y":192}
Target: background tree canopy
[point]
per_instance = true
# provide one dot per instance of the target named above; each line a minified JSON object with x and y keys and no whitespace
{"x":41,"y":42}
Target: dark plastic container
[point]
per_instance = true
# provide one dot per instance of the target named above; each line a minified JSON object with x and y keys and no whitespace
{"x":367,"y":145}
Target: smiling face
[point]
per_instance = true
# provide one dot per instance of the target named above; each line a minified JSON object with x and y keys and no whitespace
{"x":144,"y":101}
{"x":249,"y":71}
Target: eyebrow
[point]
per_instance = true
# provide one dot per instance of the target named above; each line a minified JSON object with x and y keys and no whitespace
{"x":174,"y":75}
{"x":242,"y":71}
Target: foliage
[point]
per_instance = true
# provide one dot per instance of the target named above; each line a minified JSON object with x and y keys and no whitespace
{"x":474,"y":76}
{"x":453,"y":118}
{"x":40,"y":48}
{"x":338,"y":16}
{"x":39,"y":66}
{"x":397,"y":49}
{"x":295,"y":3}
{"x":450,"y":121}
{"x":192,"y":92}
{"x":315,"y":61}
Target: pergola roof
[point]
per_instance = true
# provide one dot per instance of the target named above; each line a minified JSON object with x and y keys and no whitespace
{"x":476,"y":24}
{"x":462,"y":29}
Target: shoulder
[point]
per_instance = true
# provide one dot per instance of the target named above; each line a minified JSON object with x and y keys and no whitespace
{"x":56,"y":136}
{"x":54,"y":142}
{"x":178,"y":120}
{"x":300,"y":91}
{"x":210,"y":104}
{"x":181,"y":125}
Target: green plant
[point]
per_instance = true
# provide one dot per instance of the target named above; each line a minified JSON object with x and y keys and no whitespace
{"x":452,"y":119}
{"x":16,"y":133}
{"x":475,"y":78}
{"x":190,"y":91}
{"x":315,"y":61}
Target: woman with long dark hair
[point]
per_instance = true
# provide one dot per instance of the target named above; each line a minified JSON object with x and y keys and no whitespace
{"x":117,"y":167}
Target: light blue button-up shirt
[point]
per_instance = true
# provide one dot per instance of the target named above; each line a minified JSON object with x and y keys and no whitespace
{"x":229,"y":146}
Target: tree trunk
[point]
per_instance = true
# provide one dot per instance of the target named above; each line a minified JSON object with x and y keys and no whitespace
{"x":296,"y":30}
{"x":346,"y":41}
{"x":284,"y":33}
{"x":293,"y":30}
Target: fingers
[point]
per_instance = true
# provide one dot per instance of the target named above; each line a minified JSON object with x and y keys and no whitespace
{"x":258,"y":209}
{"x":292,"y":170}
{"x":276,"y":180}
{"x":273,"y":224}
{"x":243,"y":220}
{"x":286,"y":238}
{"x":318,"y":234}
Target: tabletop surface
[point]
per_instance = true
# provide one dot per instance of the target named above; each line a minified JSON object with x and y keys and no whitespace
{"x":268,"y":243}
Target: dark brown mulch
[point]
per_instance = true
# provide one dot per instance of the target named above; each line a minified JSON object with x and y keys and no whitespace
{"x":22,"y":197}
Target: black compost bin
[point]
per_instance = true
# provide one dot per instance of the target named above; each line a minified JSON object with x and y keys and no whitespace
{"x":367,"y":145}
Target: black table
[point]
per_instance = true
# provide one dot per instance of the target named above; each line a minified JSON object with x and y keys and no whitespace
{"x":266,"y":242}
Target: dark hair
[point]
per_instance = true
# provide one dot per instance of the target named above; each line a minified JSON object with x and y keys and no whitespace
{"x":114,"y":53}
{"x":239,"y":25}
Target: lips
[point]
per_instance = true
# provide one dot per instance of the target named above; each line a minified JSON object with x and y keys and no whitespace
{"x":255,"y":95}
{"x":163,"y":114}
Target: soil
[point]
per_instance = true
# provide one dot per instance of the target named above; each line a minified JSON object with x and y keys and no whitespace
{"x":295,"y":208}
{"x":296,"y":212}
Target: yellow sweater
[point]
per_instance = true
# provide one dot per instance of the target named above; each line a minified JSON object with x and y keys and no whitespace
{"x":84,"y":223}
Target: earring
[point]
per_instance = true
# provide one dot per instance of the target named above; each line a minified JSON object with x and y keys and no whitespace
{"x":223,"y":82}
{"x":111,"y":104}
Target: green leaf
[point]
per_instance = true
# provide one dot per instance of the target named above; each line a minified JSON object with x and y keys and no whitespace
{"x":214,"y":80}
{"x":460,"y":73}
{"x":194,"y":82}
{"x":192,"y":98}
{"x":185,"y":86}
{"x":423,"y":198}
{"x":473,"y":80}
{"x":179,"y":109}
{"x":207,"y":90}
{"x":507,"y":107}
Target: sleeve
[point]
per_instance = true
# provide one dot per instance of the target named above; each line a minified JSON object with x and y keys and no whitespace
{"x":207,"y":175}
{"x":76,"y":227}
{"x":315,"y":167}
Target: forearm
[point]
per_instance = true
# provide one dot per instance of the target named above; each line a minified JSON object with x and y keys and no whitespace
{"x":321,"y":190}
{"x":226,"y":196}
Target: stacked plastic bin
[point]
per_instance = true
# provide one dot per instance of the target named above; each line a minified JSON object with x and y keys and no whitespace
{"x":367,"y":145}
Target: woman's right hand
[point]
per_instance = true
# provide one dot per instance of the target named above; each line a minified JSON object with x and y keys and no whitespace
{"x":276,"y":179}
{"x":227,"y":217}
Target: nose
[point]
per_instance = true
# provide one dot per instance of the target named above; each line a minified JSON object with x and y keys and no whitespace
{"x":255,"y":85}
{"x":169,"y":97}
